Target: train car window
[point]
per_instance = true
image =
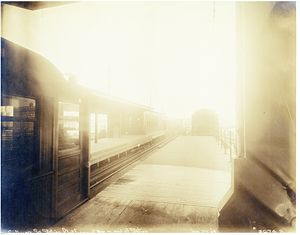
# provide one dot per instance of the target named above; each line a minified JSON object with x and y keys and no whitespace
{"x":24,"y":128}
{"x":68,"y":135}
{"x":69,"y":126}
{"x":14,"y":106}
{"x":18,"y":134}
{"x":102,"y":126}
{"x":7,"y":135}
{"x":68,"y":109}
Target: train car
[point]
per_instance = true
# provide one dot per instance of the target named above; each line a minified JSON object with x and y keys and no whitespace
{"x":44,"y":127}
{"x":204,"y":122}
{"x":153,"y":122}
{"x":172,"y":125}
{"x":47,"y":127}
{"x":52,"y":132}
{"x":156,"y":122}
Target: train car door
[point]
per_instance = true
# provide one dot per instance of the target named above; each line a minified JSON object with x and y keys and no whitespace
{"x":69,"y":181}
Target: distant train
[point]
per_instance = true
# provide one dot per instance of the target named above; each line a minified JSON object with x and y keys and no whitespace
{"x":204,"y":121}
{"x":49,"y":126}
{"x":149,"y":122}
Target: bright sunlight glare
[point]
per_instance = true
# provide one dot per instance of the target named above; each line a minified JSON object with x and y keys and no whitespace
{"x":176,"y":57}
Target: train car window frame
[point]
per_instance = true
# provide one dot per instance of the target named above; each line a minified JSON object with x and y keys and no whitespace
{"x":19,"y":131}
{"x":72,"y":113}
{"x":12,"y":114}
{"x":99,"y":121}
{"x":70,"y":119}
{"x":102,"y":118}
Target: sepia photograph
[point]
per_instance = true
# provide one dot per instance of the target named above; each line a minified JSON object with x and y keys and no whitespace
{"x":148,"y":116}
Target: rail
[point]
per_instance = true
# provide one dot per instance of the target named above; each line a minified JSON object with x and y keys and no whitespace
{"x":228,"y":140}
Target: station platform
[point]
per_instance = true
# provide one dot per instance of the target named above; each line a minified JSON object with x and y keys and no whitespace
{"x":176,"y":189}
{"x":109,"y":147}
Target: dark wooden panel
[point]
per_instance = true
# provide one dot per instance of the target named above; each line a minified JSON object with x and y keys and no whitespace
{"x":65,"y":193}
{"x":27,"y":203}
{"x":69,"y":178}
{"x":46,"y":134}
{"x":9,"y":168}
{"x":67,"y":205}
{"x":64,"y":163}
{"x":41,"y":192}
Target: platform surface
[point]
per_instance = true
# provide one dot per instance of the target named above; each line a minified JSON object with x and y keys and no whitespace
{"x":176,"y":189}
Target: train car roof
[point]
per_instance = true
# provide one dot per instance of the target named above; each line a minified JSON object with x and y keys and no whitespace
{"x":101,"y":95}
{"x":22,"y":68}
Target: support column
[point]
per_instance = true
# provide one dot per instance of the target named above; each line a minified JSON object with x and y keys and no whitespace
{"x":86,"y":132}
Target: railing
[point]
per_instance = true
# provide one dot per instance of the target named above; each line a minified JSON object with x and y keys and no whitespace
{"x":228,"y":140}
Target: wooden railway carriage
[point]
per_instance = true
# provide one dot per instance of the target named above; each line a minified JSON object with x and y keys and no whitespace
{"x":204,"y":122}
{"x":172,"y":125}
{"x":44,"y":130}
{"x":45,"y":147}
{"x":155,"y":122}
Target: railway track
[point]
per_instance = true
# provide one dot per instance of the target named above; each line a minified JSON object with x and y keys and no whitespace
{"x":109,"y":169}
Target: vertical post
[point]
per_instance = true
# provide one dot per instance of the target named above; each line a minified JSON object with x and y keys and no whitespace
{"x":236,"y":143}
{"x":86,"y":133}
